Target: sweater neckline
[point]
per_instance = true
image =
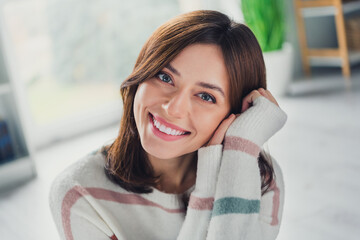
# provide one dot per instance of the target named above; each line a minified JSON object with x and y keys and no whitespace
{"x":187,"y":192}
{"x":169,"y":200}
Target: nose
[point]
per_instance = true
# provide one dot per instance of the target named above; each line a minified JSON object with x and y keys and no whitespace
{"x":177,"y":105}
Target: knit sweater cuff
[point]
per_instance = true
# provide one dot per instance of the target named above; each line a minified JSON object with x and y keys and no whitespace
{"x":259,"y":122}
{"x":209,"y":159}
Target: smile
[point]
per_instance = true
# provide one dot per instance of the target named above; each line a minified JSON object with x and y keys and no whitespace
{"x":165,"y":130}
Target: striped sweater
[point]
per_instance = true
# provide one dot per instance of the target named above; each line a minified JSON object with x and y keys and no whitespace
{"x":225,"y":202}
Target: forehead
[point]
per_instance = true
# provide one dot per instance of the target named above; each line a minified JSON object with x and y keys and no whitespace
{"x":202,"y":62}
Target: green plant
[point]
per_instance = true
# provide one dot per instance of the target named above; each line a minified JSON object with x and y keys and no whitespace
{"x":266,"y":19}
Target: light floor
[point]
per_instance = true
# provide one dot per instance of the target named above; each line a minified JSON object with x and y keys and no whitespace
{"x":318,"y":150}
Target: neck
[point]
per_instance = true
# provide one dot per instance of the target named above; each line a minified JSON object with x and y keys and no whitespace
{"x":176,"y":174}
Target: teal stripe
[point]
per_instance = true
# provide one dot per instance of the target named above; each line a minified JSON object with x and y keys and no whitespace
{"x":230,"y":205}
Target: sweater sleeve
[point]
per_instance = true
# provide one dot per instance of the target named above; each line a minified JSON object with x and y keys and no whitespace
{"x":201,"y":200}
{"x":239,"y":211}
{"x":74,"y":211}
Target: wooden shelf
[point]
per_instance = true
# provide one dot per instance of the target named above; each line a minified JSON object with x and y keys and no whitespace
{"x":348,"y":7}
{"x":333,"y":61}
{"x":351,"y":7}
{"x":341,"y":56}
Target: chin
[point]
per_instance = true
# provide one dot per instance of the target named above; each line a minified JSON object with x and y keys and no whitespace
{"x":163,"y":152}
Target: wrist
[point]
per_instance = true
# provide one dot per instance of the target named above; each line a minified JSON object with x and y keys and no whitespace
{"x":209,"y":159}
{"x":258,"y":123}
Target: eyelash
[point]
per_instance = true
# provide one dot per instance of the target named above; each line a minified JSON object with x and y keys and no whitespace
{"x":213,"y":100}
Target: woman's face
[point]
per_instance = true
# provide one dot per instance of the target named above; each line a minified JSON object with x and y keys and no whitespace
{"x":177,"y":111}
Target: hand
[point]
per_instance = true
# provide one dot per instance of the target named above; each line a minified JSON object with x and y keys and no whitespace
{"x":219,"y":134}
{"x":248,"y":100}
{"x":260,"y":119}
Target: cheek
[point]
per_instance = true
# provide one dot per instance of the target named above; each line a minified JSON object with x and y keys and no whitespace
{"x":139,"y":101}
{"x":142,"y":96}
{"x":147,"y":93}
{"x":208,"y":124}
{"x":146,"y":97}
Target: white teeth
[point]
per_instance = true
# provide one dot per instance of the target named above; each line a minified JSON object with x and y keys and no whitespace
{"x":162,"y":128}
{"x":157,"y":124}
{"x":167,"y":130}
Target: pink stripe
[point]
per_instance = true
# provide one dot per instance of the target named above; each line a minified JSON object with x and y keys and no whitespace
{"x":113,"y":237}
{"x":276,"y":204}
{"x":198,"y":203}
{"x":70,"y":198}
{"x":241,"y":144}
{"x":127,"y":198}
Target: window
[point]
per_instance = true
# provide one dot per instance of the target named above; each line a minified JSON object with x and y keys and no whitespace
{"x":71,"y":56}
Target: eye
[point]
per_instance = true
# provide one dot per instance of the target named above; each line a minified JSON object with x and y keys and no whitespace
{"x":207,"y":97}
{"x":164,"y":77}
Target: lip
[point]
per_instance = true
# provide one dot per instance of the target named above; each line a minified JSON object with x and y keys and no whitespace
{"x":162,"y":135}
{"x":166,"y":124}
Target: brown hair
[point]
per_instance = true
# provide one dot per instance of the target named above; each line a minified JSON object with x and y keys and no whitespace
{"x":126,"y":161}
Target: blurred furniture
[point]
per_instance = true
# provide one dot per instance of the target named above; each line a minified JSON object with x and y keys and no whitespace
{"x":340,"y":56}
{"x":353,"y":33}
{"x":18,"y":166}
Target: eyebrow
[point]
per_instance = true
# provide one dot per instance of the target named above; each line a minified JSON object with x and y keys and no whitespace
{"x":201,"y":84}
{"x":171,"y":68}
{"x":211,"y":86}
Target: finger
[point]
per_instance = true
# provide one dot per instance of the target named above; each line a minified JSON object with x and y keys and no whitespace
{"x":248,"y":100}
{"x":272,"y":97}
{"x":267,"y":94}
{"x":219,"y":134}
{"x":263,"y":92}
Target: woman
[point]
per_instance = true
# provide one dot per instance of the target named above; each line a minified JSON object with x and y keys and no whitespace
{"x":187,"y":163}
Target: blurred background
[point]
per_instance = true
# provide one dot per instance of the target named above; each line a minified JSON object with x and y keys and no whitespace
{"x":62,"y":63}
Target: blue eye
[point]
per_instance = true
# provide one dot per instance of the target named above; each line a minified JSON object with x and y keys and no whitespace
{"x":164,"y":77}
{"x":207,"y":97}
